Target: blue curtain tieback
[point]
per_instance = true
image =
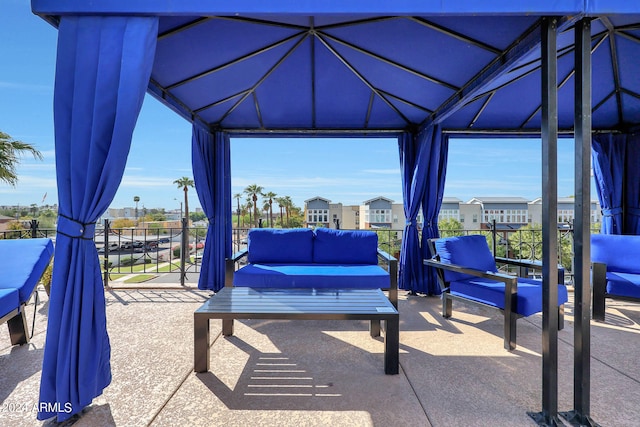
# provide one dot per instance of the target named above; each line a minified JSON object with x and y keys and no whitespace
{"x":611,"y":212}
{"x":409,"y":223}
{"x":75,"y":229}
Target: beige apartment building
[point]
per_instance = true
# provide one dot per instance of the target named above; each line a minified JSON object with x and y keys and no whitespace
{"x":475,"y":214}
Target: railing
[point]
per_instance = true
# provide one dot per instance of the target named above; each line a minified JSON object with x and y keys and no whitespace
{"x":145,"y":254}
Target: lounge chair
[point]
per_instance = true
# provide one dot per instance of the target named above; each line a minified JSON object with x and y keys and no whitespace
{"x":467,"y":272}
{"x":22,"y":263}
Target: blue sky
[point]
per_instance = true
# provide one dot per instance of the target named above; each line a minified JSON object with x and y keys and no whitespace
{"x":342,"y":170}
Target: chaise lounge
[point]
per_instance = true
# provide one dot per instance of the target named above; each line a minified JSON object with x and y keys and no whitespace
{"x":467,"y":272}
{"x":22,"y":263}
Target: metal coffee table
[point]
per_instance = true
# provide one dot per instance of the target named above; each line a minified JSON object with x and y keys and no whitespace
{"x":304,"y":304}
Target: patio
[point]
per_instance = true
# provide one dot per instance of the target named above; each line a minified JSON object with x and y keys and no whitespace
{"x":452,"y":372}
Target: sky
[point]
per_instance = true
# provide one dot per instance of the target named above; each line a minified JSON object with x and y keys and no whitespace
{"x":347,"y":171}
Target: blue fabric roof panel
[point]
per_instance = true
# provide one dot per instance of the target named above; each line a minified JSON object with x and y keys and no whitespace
{"x":288,"y":88}
{"x":178,"y":57}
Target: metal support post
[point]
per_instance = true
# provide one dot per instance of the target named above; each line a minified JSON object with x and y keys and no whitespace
{"x":549,"y":414}
{"x":105,"y":273}
{"x":184,"y":250}
{"x":579,"y":416}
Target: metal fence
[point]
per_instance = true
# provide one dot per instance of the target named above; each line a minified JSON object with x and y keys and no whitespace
{"x":140,"y":255}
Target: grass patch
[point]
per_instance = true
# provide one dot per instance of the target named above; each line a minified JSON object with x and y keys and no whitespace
{"x":140,"y":278}
{"x":114,"y":276}
{"x":169,"y":267}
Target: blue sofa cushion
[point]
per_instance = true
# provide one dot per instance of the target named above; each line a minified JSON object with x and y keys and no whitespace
{"x":345,"y":247}
{"x":315,"y":276}
{"x":623,"y":284}
{"x":22,"y":263}
{"x":270,"y":245}
{"x":529,"y":300}
{"x":621,"y":253}
{"x":466,"y":251}
{"x":9,"y":301}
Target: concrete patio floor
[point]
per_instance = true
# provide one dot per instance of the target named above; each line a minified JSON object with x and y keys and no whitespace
{"x":317,"y":373}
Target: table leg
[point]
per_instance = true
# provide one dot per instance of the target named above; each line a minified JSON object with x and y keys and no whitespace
{"x":374,"y":328}
{"x":200,"y":343}
{"x":392,"y":346}
{"x":227,"y":327}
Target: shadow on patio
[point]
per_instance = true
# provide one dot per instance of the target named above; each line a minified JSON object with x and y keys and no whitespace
{"x":453,"y":372}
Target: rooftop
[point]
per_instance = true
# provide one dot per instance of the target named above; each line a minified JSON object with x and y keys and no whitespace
{"x":275,"y":373}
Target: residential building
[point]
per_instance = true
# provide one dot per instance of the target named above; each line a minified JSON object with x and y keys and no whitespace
{"x":566,"y":211}
{"x":507,"y":212}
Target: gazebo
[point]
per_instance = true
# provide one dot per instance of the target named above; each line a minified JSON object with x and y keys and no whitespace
{"x":419,"y":70}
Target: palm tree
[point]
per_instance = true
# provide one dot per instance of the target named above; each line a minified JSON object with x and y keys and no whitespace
{"x":281,"y":202}
{"x":288,"y":204}
{"x":249,"y":206}
{"x":10,"y":151}
{"x":237,"y":197}
{"x":265,"y":208}
{"x":253,"y":191}
{"x":136,"y":199}
{"x":185,"y":183}
{"x":269,"y":196}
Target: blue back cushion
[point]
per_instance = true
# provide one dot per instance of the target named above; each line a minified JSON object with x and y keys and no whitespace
{"x":274,"y":245}
{"x":466,"y":251}
{"x":620,"y":252}
{"x":345,"y":247}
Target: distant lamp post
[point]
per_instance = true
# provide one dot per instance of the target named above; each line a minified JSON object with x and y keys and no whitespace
{"x":180,"y":207}
{"x":136,"y":199}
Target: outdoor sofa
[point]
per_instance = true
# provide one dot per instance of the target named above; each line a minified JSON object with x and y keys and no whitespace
{"x":22,"y":263}
{"x":467,"y":272}
{"x":320,"y":258}
{"x":615,"y":269}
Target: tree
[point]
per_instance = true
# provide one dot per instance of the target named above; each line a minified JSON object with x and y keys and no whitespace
{"x":10,"y":152}
{"x":450,"y":227}
{"x":269,"y":196}
{"x":122,"y":223}
{"x":198,"y":216}
{"x":185,"y":183}
{"x":281,"y":202}
{"x":237,"y":197}
{"x":253,"y":191}
{"x":288,"y":204}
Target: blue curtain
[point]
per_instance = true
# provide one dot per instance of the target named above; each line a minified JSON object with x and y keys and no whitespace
{"x":410,"y":268}
{"x":212,"y":176}
{"x":632,"y":186}
{"x":437,"y":147}
{"x":608,"y":158}
{"x":102,"y":71}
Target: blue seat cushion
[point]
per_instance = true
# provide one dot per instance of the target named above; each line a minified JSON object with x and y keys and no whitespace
{"x":466,"y":251}
{"x":623,"y":284}
{"x":272,"y":245}
{"x":312,"y":276}
{"x":9,"y":301}
{"x":620,"y":252}
{"x":345,"y":247}
{"x":22,"y":262}
{"x":528,"y":302}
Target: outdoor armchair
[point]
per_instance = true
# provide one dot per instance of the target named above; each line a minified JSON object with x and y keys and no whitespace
{"x":467,"y":272}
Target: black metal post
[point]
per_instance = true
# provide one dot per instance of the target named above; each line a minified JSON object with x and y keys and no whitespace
{"x":579,"y":416}
{"x":34,"y":228}
{"x":549,"y":414}
{"x":184,"y":250}
{"x":105,"y":273}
